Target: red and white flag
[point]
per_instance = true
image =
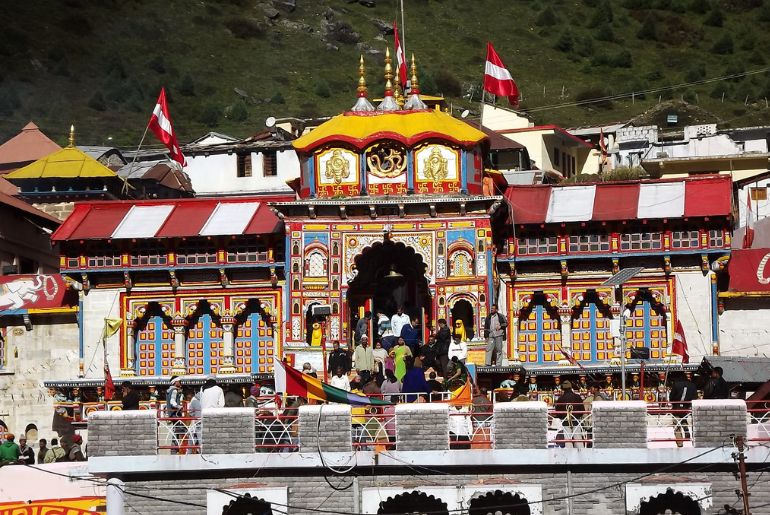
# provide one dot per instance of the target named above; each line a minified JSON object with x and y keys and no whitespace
{"x":748,"y":236}
{"x":160,"y":125}
{"x":400,"y":59}
{"x":497,"y":78}
{"x":679,"y":346}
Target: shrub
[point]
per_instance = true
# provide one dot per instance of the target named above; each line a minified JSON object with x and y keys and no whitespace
{"x":186,"y":86}
{"x":209,"y":116}
{"x":9,"y":101}
{"x":564,"y":43}
{"x":244,"y":28}
{"x":238,"y":112}
{"x":695,"y":73}
{"x":584,"y":46}
{"x":322,"y":89}
{"x":546,"y":18}
{"x":592,"y":93}
{"x":724,"y":45}
{"x":448,"y":84}
{"x":96,"y":102}
{"x":277,"y":99}
{"x":605,"y":33}
{"x":649,"y":30}
{"x":156,"y":64}
{"x":622,"y":59}
{"x":602,"y":15}
{"x":714,"y":18}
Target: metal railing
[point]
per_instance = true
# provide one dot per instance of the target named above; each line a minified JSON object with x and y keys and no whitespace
{"x":470,"y":427}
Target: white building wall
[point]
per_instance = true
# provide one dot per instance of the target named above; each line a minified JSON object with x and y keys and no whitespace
{"x":98,"y":305}
{"x":216,"y":174}
{"x":760,"y":208}
{"x":744,"y":328}
{"x":693,"y":305}
{"x":48,"y":352}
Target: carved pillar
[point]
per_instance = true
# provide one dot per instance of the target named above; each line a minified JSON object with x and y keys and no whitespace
{"x":130,"y":368}
{"x":513,"y":325}
{"x":179,"y":323}
{"x":565,"y":316}
{"x":227,"y":365}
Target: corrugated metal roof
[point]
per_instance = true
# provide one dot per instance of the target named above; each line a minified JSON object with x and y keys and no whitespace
{"x":177,"y":218}
{"x":740,"y":369}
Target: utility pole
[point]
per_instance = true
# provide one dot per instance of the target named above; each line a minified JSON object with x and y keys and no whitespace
{"x":742,"y":471}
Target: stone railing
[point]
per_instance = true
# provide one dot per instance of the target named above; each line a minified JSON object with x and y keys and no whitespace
{"x":415,"y":427}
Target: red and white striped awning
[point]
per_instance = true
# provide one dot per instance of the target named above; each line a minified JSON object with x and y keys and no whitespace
{"x":636,"y":200}
{"x":179,"y":218}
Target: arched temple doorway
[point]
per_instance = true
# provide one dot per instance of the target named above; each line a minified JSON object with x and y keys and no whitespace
{"x":670,"y":503}
{"x":390,"y":275}
{"x":417,"y":503}
{"x":462,"y":311}
{"x":505,"y":503}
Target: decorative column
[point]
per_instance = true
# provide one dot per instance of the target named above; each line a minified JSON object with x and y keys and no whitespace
{"x":130,"y":368}
{"x":565,"y":316}
{"x":179,"y":323}
{"x":227,"y":365}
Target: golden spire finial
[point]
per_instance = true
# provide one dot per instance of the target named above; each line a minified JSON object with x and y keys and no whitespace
{"x":361,"y":77}
{"x":388,"y":74}
{"x":72,"y":135}
{"x":415,"y":85}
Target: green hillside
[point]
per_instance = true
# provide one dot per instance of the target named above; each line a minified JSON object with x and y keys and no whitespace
{"x":229,"y":64}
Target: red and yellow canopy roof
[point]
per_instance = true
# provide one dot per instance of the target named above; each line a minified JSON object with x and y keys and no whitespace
{"x":361,"y":129}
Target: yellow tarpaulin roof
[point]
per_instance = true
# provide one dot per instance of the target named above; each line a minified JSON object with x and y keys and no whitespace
{"x":66,"y":163}
{"x":408,"y":127}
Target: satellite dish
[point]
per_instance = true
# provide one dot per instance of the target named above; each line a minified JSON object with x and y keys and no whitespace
{"x":270,"y":122}
{"x":465,"y":114}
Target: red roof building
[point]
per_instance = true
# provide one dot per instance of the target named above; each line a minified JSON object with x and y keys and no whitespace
{"x":27,"y":146}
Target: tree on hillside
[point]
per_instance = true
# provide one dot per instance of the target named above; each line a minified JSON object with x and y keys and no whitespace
{"x":649,"y":29}
{"x":186,"y":86}
{"x":724,"y":45}
{"x":715,"y":18}
{"x":546,"y":18}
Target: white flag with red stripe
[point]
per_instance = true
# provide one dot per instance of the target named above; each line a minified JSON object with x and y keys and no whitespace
{"x":748,"y":236}
{"x":400,"y":58}
{"x":497,"y":78}
{"x":679,"y":346}
{"x":160,"y":125}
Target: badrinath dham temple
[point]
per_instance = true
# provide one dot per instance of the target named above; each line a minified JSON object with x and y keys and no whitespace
{"x":397,"y":205}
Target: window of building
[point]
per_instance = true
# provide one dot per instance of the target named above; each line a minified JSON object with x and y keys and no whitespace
{"x":685,"y":239}
{"x":589,"y":243}
{"x":73,"y":262}
{"x":270,"y":163}
{"x":461,"y":264}
{"x":556,"y":155}
{"x":534,"y":246}
{"x":641,"y":241}
{"x":102,"y":256}
{"x":539,"y":337}
{"x":591,"y":338}
{"x":646,"y":324}
{"x":758,"y":193}
{"x":315,"y":264}
{"x":244,"y":165}
{"x":716,"y":238}
{"x":148,"y":254}
{"x":247,"y":253}
{"x":196,"y":254}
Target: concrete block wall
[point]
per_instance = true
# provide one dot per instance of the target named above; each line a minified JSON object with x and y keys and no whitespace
{"x":123,"y":433}
{"x":717,"y":421}
{"x":619,"y":424}
{"x":422,"y":427}
{"x":227,"y":431}
{"x":333,"y":433}
{"x":520,"y":425}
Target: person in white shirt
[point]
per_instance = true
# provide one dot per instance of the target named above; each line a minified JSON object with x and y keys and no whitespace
{"x":398,"y":321}
{"x":340,"y":380}
{"x":212,"y":396}
{"x":458,"y":348}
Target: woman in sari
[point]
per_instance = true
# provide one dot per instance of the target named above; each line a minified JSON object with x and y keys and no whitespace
{"x":401,"y":351}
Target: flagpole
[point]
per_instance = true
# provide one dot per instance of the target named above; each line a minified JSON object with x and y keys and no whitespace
{"x":133,"y":161}
{"x":403,"y":34}
{"x":483,"y":97}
